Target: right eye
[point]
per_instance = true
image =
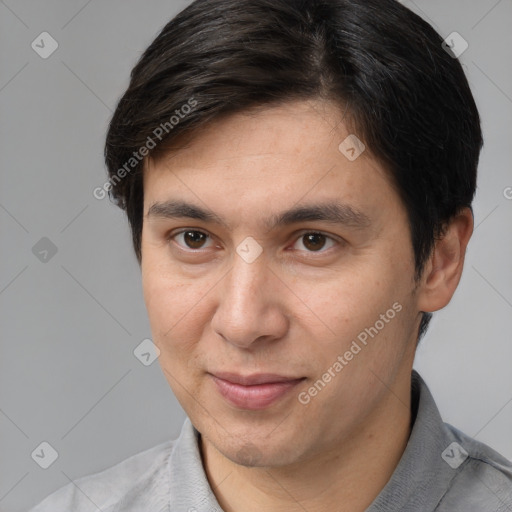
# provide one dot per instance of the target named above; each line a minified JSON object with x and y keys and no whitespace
{"x":192,"y":239}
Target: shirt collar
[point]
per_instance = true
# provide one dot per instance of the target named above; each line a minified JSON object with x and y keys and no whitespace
{"x":189,"y":487}
{"x":418,"y":482}
{"x":422,"y":477}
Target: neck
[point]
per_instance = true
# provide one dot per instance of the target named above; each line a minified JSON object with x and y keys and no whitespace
{"x":346,"y":478}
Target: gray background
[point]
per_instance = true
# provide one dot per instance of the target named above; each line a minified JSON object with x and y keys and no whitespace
{"x":70,"y":324}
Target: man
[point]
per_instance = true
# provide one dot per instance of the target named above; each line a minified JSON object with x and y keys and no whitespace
{"x":298,"y":177}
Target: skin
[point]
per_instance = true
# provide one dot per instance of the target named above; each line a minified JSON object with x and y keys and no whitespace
{"x":293,"y":310}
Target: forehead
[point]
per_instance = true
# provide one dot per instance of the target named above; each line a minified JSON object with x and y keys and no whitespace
{"x":290,"y":154}
{"x":301,"y":125}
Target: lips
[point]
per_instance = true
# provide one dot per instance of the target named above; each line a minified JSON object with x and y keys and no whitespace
{"x":253,"y":392}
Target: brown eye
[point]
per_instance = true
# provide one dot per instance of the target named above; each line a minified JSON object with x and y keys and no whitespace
{"x":193,"y":239}
{"x":315,"y":242}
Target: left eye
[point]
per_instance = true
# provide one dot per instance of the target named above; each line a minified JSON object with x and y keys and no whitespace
{"x":313,"y":241}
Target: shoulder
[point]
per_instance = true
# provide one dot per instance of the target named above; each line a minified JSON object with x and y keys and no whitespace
{"x":482,"y":479}
{"x":145,"y":470}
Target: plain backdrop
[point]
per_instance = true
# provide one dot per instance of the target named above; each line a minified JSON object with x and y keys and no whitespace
{"x":71,"y":307}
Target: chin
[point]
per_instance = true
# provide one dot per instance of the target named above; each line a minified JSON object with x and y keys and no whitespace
{"x":249,"y":455}
{"x":252,"y":455}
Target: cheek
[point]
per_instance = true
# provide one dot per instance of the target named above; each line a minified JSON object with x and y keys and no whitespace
{"x":159,"y":299}
{"x":365,"y":304}
{"x":166,"y":297}
{"x":179,"y":311}
{"x":348,"y":300}
{"x":170,"y":306}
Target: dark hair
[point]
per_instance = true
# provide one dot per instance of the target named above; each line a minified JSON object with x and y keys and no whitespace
{"x":406,"y":96}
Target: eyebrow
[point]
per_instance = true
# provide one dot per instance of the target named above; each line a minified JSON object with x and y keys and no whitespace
{"x":332,"y":212}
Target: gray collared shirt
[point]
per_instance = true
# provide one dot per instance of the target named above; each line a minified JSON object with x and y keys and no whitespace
{"x":441,"y":469}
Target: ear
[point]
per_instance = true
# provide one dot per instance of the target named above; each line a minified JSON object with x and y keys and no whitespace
{"x":443,"y":270}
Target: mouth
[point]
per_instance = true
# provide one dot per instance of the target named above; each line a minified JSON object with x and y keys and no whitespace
{"x":253,"y":392}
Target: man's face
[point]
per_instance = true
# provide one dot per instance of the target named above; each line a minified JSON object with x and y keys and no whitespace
{"x":247,"y":295}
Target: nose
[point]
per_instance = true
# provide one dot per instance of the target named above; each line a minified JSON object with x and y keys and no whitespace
{"x":249,"y":311}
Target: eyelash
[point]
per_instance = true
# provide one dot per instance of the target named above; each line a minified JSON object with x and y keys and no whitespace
{"x":198,"y":251}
